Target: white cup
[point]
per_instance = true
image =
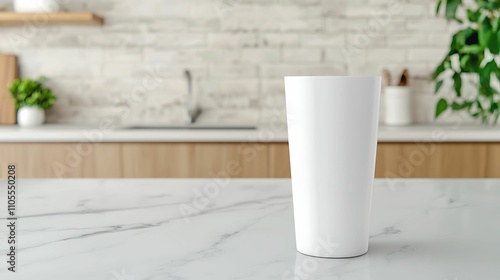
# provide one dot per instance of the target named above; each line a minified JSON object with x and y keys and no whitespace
{"x":332,"y":133}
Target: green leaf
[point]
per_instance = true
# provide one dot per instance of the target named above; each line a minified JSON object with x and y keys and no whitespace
{"x":464,"y":61}
{"x":483,"y":90}
{"x":487,"y":5}
{"x":486,"y":72}
{"x":494,"y":43}
{"x":457,"y":84}
{"x":475,"y":62}
{"x":460,"y":106}
{"x":497,"y":73}
{"x":440,"y":69}
{"x":451,"y":8}
{"x":463,"y":39}
{"x":493,"y":107}
{"x":479,"y":106}
{"x":439,"y":84}
{"x":456,"y":106}
{"x":485,"y":31}
{"x":495,"y":5}
{"x":473,"y":16}
{"x":27,"y":92}
{"x":473,"y":49}
{"x":441,"y":106}
{"x":438,"y":6}
{"x":496,"y":24}
{"x":467,"y":36}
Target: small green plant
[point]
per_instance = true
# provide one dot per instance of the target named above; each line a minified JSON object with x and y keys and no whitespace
{"x":472,"y":54}
{"x":32,"y":93}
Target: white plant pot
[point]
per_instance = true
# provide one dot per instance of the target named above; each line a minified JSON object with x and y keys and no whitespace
{"x":332,"y":132}
{"x":397,"y":106}
{"x":30,"y":116}
{"x":36,"y":6}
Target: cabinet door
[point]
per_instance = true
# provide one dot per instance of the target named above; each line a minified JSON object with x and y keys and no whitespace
{"x":62,"y":160}
{"x":231,"y":160}
{"x":279,"y":160}
{"x":438,"y":160}
{"x":416,"y":160}
{"x":493,"y":163}
{"x":409,"y":160}
{"x":158,"y":160}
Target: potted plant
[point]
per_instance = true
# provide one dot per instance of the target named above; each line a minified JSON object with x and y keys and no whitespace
{"x":472,"y":55}
{"x":32,"y":99}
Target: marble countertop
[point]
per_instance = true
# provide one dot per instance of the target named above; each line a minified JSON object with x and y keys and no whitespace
{"x":95,"y":134}
{"x":243,"y":229}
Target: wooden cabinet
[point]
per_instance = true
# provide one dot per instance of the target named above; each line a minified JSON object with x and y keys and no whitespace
{"x":62,"y":160}
{"x":163,"y":160}
{"x":279,"y":161}
{"x":419,"y":160}
{"x":236,"y":160}
{"x":197,"y":160}
{"x":438,"y":160}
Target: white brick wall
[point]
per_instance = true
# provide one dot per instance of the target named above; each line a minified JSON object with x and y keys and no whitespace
{"x":131,"y":69}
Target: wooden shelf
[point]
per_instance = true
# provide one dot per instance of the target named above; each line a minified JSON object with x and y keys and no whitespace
{"x":43,"y":19}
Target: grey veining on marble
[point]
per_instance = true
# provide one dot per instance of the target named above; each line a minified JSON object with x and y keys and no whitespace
{"x":243,"y":229}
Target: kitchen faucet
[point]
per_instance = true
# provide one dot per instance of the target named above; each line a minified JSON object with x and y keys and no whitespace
{"x":193,"y":111}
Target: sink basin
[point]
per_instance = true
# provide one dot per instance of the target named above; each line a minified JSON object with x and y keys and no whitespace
{"x":194,"y":126}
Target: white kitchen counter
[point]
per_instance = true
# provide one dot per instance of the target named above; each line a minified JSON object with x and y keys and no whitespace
{"x":243,"y":229}
{"x":67,"y":133}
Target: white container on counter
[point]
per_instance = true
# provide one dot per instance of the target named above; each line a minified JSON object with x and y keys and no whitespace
{"x":332,"y":131}
{"x":30,"y":116}
{"x":36,"y":6}
{"x":397,"y":106}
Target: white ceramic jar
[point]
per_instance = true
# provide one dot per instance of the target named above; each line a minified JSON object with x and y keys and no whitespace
{"x":397,"y":106}
{"x":30,"y":116}
{"x":36,"y":6}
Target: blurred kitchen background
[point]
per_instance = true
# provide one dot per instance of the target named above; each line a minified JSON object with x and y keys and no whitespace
{"x":237,"y":50}
{"x":134,"y":63}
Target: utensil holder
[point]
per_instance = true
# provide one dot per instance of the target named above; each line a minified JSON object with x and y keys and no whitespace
{"x":397,"y":106}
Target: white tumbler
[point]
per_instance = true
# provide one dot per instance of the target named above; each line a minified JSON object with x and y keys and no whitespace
{"x":332,"y":133}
